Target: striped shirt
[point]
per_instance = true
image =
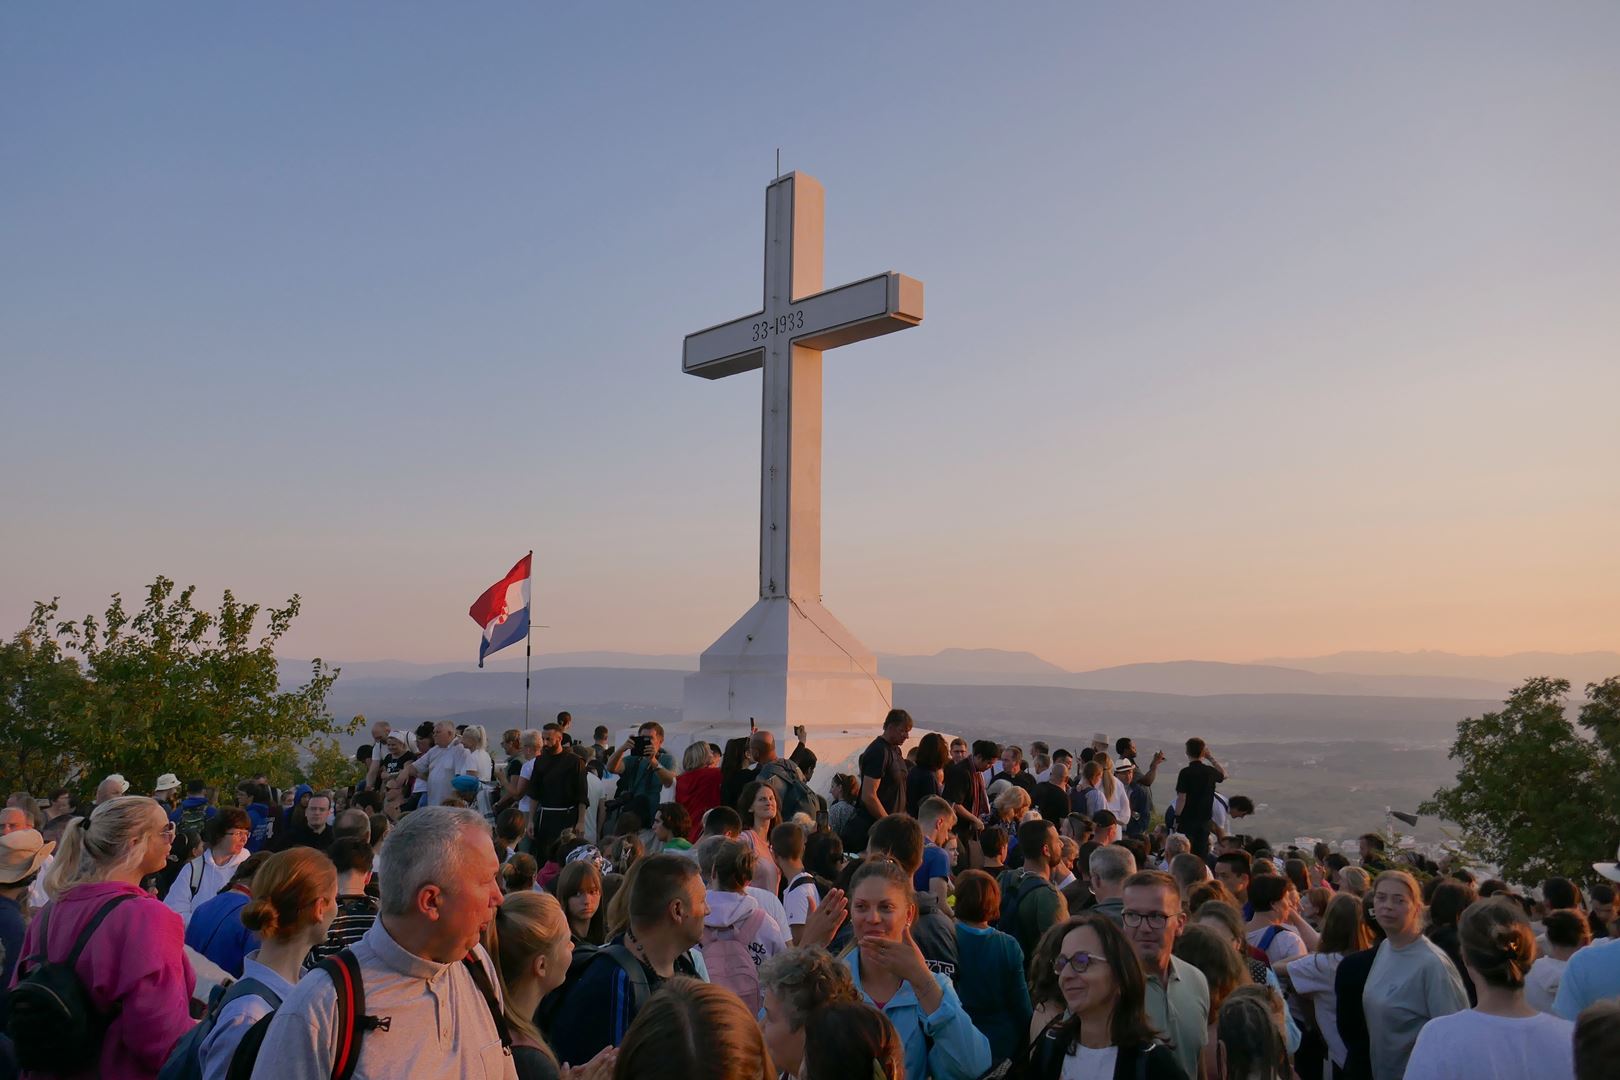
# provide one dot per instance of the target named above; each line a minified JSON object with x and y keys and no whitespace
{"x":354,"y":917}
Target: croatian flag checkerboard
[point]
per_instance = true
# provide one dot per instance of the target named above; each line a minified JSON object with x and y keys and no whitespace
{"x":503,"y":611}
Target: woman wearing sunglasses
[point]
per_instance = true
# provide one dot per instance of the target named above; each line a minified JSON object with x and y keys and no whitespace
{"x":1105,"y":1033}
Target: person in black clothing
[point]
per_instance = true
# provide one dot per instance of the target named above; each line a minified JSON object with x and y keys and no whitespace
{"x":667,"y":908}
{"x":1012,"y":767}
{"x":1447,"y":901}
{"x":557,"y":790}
{"x":927,"y":776}
{"x":564,"y":719}
{"x":314,"y":827}
{"x":883,"y":779}
{"x":737,"y":770}
{"x":964,"y":790}
{"x":1052,"y":794}
{"x":1195,"y":795}
{"x":1105,"y":993}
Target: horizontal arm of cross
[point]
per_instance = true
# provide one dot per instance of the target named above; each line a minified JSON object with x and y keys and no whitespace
{"x":854,"y":312}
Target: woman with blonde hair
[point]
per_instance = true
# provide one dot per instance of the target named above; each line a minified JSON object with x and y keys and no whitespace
{"x":1503,"y":1036}
{"x":1249,"y":1041}
{"x":133,"y":965}
{"x":691,"y":1028}
{"x":293,"y":903}
{"x":698,"y":786}
{"x":1354,"y":880}
{"x":529,"y":941}
{"x":1411,"y":981}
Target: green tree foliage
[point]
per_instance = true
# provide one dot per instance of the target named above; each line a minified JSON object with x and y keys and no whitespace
{"x":1534,"y":794}
{"x":169,"y":688}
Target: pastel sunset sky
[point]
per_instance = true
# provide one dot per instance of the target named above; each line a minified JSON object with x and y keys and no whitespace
{"x":1251,"y":329}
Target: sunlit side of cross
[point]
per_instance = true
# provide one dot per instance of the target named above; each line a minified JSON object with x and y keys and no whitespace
{"x":798,"y":322}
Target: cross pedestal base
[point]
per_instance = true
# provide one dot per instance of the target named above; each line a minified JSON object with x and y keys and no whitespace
{"x":785,"y":663}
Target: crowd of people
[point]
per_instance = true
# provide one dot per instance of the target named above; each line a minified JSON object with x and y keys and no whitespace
{"x":571,"y":909}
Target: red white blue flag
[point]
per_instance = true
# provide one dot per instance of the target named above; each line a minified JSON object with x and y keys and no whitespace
{"x":503,"y":611}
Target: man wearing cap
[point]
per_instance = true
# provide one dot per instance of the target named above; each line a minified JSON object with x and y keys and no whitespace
{"x":110,"y":788}
{"x":167,"y":792}
{"x":23,"y":854}
{"x":1593,"y":973}
{"x":1099,"y":743}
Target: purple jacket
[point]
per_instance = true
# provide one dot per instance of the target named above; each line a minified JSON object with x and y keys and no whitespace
{"x":136,"y":960}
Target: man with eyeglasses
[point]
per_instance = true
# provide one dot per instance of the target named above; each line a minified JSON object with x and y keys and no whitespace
{"x":1177,"y":993}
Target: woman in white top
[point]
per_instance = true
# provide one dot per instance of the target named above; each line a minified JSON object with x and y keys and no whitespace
{"x":1567,"y":933}
{"x":478,"y":764}
{"x":225,"y":836}
{"x":1502,"y":1037}
{"x":1411,"y":982}
{"x":1343,"y":932}
{"x":293,"y":905}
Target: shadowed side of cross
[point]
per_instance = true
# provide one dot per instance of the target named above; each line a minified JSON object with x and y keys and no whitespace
{"x":796,"y":324}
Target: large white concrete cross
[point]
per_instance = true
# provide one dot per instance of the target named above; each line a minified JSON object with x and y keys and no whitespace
{"x":797,"y":324}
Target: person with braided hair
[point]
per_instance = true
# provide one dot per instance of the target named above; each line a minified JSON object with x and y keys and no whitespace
{"x":1503,"y":1037}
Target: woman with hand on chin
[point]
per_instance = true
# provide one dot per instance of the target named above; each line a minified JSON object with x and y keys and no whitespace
{"x":890,"y":973}
{"x":1106,"y":1033}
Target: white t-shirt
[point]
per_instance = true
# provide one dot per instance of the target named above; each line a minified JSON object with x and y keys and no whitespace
{"x":210,"y":878}
{"x":597,"y":790}
{"x":441,"y":765}
{"x":1541,"y":984}
{"x":525,"y":803}
{"x":1473,"y":1046}
{"x":1089,"y":1063}
{"x":796,"y":902}
{"x":1285,"y":943}
{"x":480,"y":764}
{"x":1312,"y":977}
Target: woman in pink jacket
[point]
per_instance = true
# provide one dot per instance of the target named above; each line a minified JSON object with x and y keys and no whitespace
{"x":134,"y":967}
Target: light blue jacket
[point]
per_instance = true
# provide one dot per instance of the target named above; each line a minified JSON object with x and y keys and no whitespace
{"x":944,"y":1045}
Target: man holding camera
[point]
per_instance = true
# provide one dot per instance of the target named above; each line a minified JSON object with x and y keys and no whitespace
{"x":645,"y":768}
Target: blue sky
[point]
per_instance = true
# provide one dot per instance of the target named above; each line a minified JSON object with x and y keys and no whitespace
{"x":1251,"y":329}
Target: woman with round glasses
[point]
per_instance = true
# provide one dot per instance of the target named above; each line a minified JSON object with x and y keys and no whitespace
{"x":1105,"y":1033}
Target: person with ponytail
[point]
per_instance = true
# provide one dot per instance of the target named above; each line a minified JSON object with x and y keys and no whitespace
{"x":1503,"y":1037}
{"x":292,"y":905}
{"x":134,"y":968}
{"x":529,"y":941}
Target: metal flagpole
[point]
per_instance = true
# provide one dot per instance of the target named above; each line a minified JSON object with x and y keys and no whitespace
{"x":528,"y":644}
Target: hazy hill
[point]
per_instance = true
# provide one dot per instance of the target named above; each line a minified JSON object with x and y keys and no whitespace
{"x":1510,"y":670}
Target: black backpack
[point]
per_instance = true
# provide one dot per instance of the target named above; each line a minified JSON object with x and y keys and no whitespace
{"x":1009,"y":911}
{"x":352,"y":1022}
{"x":53,"y":1024}
{"x":796,"y":796}
{"x":185,"y":1060}
{"x":584,"y":956}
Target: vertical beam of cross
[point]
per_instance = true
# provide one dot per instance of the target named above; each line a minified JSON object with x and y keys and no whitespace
{"x":797,"y":322}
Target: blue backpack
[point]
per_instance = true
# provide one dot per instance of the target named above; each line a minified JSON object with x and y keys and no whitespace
{"x":185,"y":1060}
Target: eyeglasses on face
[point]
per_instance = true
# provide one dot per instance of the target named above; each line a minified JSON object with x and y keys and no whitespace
{"x":1155,"y":919}
{"x":1079,"y":961}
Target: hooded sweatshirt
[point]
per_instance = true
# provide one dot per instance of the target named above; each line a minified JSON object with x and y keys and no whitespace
{"x":734,"y":911}
{"x":134,"y":969}
{"x":199,"y":881}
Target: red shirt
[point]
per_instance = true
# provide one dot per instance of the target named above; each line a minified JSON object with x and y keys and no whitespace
{"x":699,"y":792}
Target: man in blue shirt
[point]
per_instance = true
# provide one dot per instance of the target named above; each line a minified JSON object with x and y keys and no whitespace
{"x":1593,"y":973}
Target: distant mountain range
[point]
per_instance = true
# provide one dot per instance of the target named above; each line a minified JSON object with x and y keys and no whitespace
{"x":1354,"y":674}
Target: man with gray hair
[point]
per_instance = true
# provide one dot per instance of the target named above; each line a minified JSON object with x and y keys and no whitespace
{"x":1110,"y":866}
{"x":426,"y":978}
{"x":795,"y":984}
